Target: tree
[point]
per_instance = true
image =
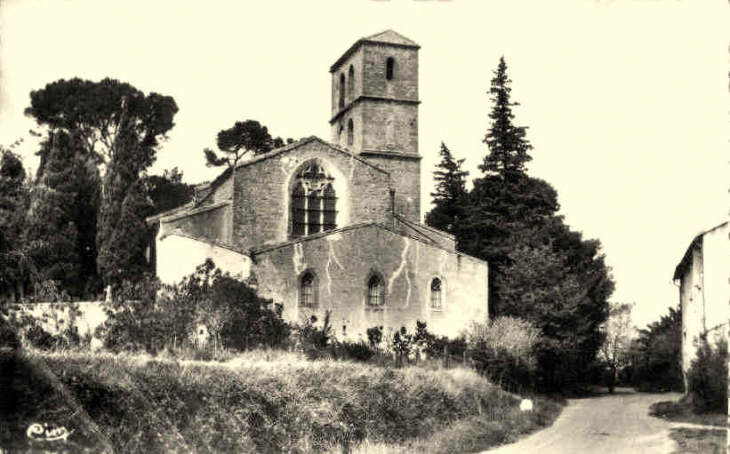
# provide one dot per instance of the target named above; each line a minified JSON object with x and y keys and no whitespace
{"x":167,"y":191}
{"x":243,"y":137}
{"x":450,"y":192}
{"x":100,"y":112}
{"x":656,"y":355}
{"x":121,"y":128}
{"x":507,"y":144}
{"x":62,"y":216}
{"x":123,"y":256}
{"x":619,"y":332}
{"x":16,"y":268}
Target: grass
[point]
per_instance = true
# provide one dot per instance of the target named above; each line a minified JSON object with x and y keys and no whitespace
{"x":681,"y":411}
{"x":267,"y":401}
{"x":699,"y":441}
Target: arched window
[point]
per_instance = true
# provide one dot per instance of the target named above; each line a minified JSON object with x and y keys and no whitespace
{"x":307,"y":293}
{"x":375,"y":291}
{"x":351,"y":82}
{"x":339,"y":135}
{"x":350,"y":132}
{"x":313,"y":201}
{"x":342,"y":90}
{"x":389,"y":68}
{"x":436,"y":302}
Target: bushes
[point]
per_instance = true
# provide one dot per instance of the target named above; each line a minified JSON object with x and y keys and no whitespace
{"x":707,"y":378}
{"x":148,"y":316}
{"x":504,"y":351}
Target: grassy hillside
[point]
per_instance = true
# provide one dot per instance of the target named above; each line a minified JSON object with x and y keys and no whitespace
{"x":266,"y":402}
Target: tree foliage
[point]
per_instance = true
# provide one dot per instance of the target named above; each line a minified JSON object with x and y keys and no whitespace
{"x":619,"y":333}
{"x":539,"y":269}
{"x":168,"y":191}
{"x":61,"y":236}
{"x":507,"y":143}
{"x":656,"y":356}
{"x":101,"y":112}
{"x":243,"y":137}
{"x":16,"y":268}
{"x":450,"y":192}
{"x":121,"y":128}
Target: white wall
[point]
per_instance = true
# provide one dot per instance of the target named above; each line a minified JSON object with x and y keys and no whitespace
{"x":178,"y":256}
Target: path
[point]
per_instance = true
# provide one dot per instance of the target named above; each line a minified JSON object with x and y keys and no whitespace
{"x":618,"y":423}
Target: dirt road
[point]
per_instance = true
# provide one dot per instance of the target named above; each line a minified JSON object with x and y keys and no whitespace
{"x":618,"y":423}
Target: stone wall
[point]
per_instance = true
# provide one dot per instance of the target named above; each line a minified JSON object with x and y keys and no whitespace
{"x":262,"y":199}
{"x":342,"y":263}
{"x":213,"y":222}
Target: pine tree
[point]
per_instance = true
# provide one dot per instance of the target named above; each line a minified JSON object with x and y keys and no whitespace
{"x":507,"y":143}
{"x":122,"y":257}
{"x":450,"y":192}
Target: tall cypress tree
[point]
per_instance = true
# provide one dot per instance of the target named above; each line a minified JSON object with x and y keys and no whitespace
{"x":508,"y":146}
{"x":450,"y":192}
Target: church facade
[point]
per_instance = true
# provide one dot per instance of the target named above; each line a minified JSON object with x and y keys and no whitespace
{"x":335,"y":226}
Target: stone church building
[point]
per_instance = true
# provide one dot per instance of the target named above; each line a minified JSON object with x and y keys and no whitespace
{"x":335,"y":226}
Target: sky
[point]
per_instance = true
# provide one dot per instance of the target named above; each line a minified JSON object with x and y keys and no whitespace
{"x":626,"y":102}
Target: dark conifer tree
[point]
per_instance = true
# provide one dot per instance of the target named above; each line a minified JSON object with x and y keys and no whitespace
{"x":508,"y":147}
{"x":450,"y":192}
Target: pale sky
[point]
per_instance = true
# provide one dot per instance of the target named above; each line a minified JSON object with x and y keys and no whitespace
{"x":626,"y":102}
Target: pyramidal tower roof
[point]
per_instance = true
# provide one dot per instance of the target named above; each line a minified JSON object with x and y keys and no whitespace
{"x":389,"y":37}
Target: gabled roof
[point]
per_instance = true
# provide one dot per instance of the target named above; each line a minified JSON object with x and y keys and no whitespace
{"x":191,"y":206}
{"x":388,"y":37}
{"x":686,"y":259}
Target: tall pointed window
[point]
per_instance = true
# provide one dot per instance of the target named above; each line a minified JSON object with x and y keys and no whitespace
{"x":389,"y":68}
{"x":350,"y":132}
{"x":375,"y":291}
{"x":351,"y":83}
{"x":313,"y":201}
{"x":436,"y":302}
{"x":342,"y":90}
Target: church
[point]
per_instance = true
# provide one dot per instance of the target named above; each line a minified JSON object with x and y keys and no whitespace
{"x":336,"y":226}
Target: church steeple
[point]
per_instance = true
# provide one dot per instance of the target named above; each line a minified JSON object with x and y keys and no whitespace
{"x":375,"y":110}
{"x":375,"y":92}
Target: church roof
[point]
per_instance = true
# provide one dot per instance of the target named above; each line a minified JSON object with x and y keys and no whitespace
{"x":389,"y":37}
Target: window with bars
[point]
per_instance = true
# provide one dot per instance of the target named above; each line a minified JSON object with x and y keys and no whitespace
{"x":375,"y":291}
{"x":436,"y":302}
{"x":313,"y":202}
{"x":307,"y":294}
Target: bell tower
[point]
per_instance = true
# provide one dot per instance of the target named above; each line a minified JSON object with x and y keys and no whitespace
{"x":375,"y":111}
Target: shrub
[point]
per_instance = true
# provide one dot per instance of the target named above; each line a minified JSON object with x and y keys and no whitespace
{"x":313,"y":340}
{"x":359,"y":351}
{"x":707,"y":378}
{"x":39,"y":338}
{"x":148,"y":316}
{"x":504,"y":350}
{"x":375,"y":336}
{"x":8,"y":335}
